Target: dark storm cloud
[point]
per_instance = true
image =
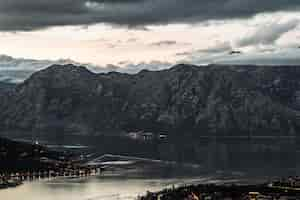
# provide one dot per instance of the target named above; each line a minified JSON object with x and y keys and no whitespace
{"x":35,"y":14}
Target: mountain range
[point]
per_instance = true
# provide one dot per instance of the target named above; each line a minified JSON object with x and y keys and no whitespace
{"x":212,"y":100}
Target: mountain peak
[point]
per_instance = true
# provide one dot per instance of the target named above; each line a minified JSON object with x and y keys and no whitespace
{"x":61,"y":76}
{"x":64,"y":72}
{"x":69,"y":68}
{"x":183,"y":67}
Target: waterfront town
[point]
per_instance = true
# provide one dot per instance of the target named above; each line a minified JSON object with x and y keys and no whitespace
{"x":28,"y":162}
{"x":22,"y":162}
{"x":284,"y":189}
{"x":15,"y":179}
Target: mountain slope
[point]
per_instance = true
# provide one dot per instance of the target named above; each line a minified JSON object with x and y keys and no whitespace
{"x":210,"y":100}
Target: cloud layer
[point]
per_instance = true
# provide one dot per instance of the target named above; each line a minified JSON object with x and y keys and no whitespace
{"x":268,"y":34}
{"x":18,"y":15}
{"x":287,"y":56}
{"x":15,"y":70}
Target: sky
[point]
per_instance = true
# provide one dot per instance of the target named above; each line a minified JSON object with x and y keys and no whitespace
{"x":129,"y":35}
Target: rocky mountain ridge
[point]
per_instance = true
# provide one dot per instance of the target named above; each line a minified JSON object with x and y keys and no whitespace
{"x":206,"y":100}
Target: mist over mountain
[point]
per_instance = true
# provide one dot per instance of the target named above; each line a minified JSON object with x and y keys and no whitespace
{"x":208,"y":100}
{"x":16,"y":70}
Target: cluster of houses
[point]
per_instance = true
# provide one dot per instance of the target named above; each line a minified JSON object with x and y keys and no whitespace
{"x":146,"y":136}
{"x":290,"y":182}
{"x":185,"y":195}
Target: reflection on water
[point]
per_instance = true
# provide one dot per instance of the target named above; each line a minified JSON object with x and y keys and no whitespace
{"x":259,"y":156}
{"x":94,"y":188}
{"x":278,"y":155}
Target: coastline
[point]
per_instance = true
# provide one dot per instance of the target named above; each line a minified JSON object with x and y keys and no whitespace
{"x":10,"y":184}
{"x":225,"y":191}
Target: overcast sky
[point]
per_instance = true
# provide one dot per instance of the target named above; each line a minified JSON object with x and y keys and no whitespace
{"x":145,"y":33}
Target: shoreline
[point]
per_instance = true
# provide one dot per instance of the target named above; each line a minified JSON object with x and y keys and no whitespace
{"x":231,"y":191}
{"x":10,"y":184}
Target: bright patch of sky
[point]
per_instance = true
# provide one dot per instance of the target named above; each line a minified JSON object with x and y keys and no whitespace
{"x":103,"y":44}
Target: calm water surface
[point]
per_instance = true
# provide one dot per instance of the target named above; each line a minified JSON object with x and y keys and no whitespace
{"x":236,"y":154}
{"x":94,"y":188}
